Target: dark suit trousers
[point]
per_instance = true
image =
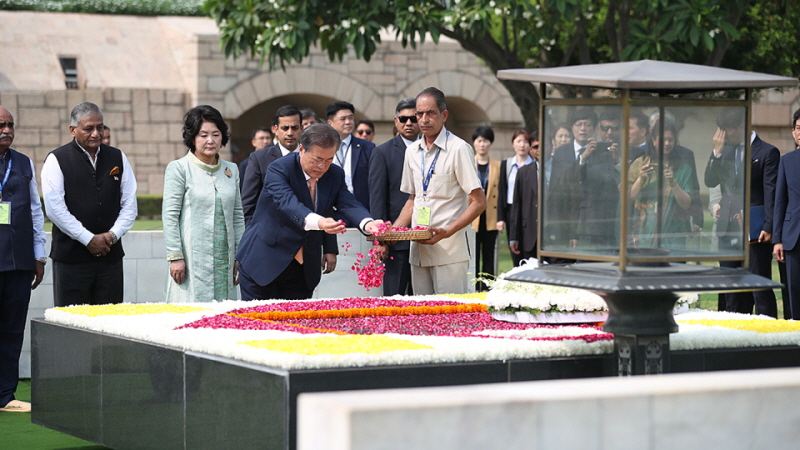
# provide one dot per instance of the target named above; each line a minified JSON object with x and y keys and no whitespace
{"x":15,"y":295}
{"x":764,"y":300}
{"x":290,"y":285}
{"x":92,"y":283}
{"x":397,"y":278}
{"x":485,"y":243}
{"x":793,"y":280}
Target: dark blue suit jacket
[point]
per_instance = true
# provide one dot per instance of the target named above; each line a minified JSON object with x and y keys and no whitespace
{"x":386,"y":200}
{"x":253,"y":178}
{"x":276,"y":232}
{"x":786,"y":219}
{"x":359,"y":163}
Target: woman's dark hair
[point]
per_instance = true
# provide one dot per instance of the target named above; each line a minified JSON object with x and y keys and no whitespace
{"x":484,"y":132}
{"x":668,"y":126}
{"x":193,"y":121}
{"x":523,"y":133}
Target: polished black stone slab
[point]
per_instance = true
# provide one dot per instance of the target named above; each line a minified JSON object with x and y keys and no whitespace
{"x":128,"y":394}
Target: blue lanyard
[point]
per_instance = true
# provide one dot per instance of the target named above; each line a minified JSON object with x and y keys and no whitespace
{"x":426,"y":180}
{"x":5,"y":177}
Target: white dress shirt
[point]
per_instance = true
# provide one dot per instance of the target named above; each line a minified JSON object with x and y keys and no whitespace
{"x":344,"y":158}
{"x":57,"y":212}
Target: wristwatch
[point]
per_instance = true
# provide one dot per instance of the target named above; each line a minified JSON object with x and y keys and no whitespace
{"x":42,"y":260}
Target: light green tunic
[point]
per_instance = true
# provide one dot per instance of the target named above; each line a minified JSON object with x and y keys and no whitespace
{"x":202,"y":215}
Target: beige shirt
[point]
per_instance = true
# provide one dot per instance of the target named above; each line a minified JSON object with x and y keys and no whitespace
{"x":454,"y":177}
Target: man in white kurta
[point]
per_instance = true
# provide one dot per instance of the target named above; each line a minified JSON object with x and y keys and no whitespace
{"x":445,"y":194}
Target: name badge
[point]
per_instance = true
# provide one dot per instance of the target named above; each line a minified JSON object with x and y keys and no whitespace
{"x":424,"y":215}
{"x":5,"y":213}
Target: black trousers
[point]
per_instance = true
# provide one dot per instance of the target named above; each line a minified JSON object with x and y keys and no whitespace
{"x":15,"y":295}
{"x":397,"y":277}
{"x":92,"y":283}
{"x":290,"y":285}
{"x":485,"y":242}
{"x":764,"y":301}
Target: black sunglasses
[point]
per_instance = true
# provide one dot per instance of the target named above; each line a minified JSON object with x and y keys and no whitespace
{"x":404,"y":119}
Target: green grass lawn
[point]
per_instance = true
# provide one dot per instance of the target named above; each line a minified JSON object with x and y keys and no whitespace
{"x":18,"y":433}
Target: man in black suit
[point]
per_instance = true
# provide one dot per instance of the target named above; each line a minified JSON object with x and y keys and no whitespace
{"x":280,"y":251}
{"x":259,"y":138}
{"x":386,"y":200}
{"x":353,"y":154}
{"x":523,"y":224}
{"x":285,"y":127}
{"x":726,"y":169}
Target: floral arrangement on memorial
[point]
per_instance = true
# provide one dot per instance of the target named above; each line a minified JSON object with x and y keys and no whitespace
{"x":358,"y":332}
{"x":516,"y":301}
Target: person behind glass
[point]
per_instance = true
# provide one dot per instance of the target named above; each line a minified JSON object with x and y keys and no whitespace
{"x":386,"y":200}
{"x":202,"y":213}
{"x":677,"y":183}
{"x":508,"y":175}
{"x":786,"y":232}
{"x":90,"y":196}
{"x":22,"y":257}
{"x":533,"y":142}
{"x":281,"y":249}
{"x":365,"y":129}
{"x":726,"y":169}
{"x":259,"y":138}
{"x":485,"y":225}
{"x":562,"y":136}
{"x":309,"y":117}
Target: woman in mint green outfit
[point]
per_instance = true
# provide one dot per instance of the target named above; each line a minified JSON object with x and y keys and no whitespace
{"x":202,"y":214}
{"x":675,"y":199}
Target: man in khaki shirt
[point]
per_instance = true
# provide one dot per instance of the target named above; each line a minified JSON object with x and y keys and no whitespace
{"x":444,"y":193}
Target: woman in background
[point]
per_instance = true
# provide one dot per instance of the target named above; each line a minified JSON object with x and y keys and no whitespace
{"x":486,"y":225}
{"x":202,"y":214}
{"x":677,"y":185}
{"x":508,"y":174}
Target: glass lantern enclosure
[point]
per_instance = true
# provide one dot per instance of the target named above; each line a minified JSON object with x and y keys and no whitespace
{"x":622,"y":184}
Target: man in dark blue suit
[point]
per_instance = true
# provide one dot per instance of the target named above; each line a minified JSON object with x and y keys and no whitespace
{"x":22,"y":257}
{"x":726,"y":169}
{"x":785,"y":230}
{"x":280,"y":252}
{"x":385,"y":197}
{"x":260,"y":137}
{"x":353,"y":154}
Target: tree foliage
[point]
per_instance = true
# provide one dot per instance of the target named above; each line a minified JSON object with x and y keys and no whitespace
{"x":741,"y":34}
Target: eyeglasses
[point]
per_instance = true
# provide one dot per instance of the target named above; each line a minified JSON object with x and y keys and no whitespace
{"x":404,"y":119}
{"x":319,"y":162}
{"x":606,"y":128}
{"x":367,"y":132}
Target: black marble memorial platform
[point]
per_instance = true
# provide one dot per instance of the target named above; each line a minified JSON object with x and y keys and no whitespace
{"x":128,"y":394}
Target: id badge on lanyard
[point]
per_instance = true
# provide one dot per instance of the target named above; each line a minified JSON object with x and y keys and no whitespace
{"x":5,"y":207}
{"x":424,"y":211}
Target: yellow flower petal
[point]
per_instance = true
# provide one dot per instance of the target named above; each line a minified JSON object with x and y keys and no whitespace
{"x":337,"y":345}
{"x":757,"y":325}
{"x":129,"y":309}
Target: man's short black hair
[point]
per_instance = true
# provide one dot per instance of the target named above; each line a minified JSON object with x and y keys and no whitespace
{"x":253,"y":133}
{"x":609,"y":116}
{"x":731,"y":118}
{"x":305,"y":113}
{"x":406,"y":103}
{"x":436,"y":95}
{"x":286,"y":111}
{"x":642,"y":121}
{"x":335,"y":107}
{"x":582,"y":114}
{"x":368,"y":123}
{"x":321,"y":135}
